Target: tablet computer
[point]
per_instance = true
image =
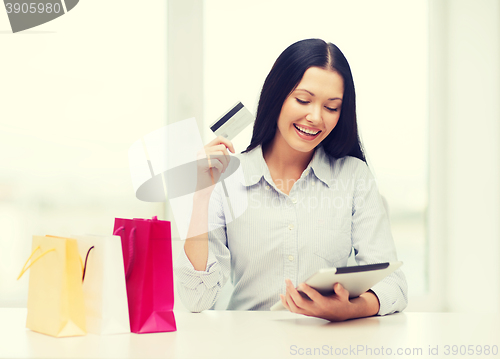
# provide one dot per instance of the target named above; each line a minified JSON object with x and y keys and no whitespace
{"x":356,"y":279}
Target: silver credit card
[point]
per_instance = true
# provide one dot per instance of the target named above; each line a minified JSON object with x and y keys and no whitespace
{"x":235,"y":120}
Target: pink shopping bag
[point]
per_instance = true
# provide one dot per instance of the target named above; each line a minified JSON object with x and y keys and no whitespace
{"x":147,"y":258}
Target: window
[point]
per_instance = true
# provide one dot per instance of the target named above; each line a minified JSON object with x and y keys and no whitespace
{"x":67,"y":118}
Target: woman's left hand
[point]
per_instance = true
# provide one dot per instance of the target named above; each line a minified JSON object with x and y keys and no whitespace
{"x":335,"y":307}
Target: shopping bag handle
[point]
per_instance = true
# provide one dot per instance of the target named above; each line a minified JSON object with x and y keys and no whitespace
{"x":79,"y":256}
{"x":131,"y":252}
{"x":33,"y":262}
{"x":85,"y":266}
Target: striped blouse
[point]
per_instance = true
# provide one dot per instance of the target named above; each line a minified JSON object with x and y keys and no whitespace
{"x":333,"y":207}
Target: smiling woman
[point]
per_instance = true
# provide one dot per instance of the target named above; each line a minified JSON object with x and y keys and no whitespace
{"x":305,"y":140}
{"x":391,"y":72}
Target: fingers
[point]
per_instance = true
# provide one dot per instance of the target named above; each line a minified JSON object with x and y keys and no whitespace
{"x":217,"y":148}
{"x":292,"y":307}
{"x":295,"y":301}
{"x":221,"y":140}
{"x":214,"y":162}
{"x":335,"y":307}
{"x":311,"y":292}
{"x":283,"y":301}
{"x":219,"y":152}
{"x":218,"y":158}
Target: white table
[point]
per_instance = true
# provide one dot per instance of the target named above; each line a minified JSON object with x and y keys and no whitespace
{"x":240,"y":334}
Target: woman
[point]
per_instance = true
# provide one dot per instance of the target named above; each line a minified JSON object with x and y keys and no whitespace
{"x":303,"y":199}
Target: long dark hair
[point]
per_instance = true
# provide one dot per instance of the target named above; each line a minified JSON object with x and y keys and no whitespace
{"x":284,"y":77}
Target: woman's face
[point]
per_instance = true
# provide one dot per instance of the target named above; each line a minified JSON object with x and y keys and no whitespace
{"x":311,"y":111}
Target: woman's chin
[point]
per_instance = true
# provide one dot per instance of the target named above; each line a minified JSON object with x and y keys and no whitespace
{"x":303,"y":147}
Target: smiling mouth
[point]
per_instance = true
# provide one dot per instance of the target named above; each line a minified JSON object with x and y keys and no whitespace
{"x":306,"y":131}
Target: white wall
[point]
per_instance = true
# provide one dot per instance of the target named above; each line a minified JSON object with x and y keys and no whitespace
{"x":75,"y":93}
{"x":465,"y":153}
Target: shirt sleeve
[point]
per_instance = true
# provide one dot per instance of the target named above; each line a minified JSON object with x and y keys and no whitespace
{"x":373,"y":242}
{"x":199,"y":290}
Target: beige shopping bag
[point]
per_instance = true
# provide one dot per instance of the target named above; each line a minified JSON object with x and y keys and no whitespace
{"x":55,"y":294}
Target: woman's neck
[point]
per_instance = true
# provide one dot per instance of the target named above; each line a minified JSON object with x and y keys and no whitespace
{"x":284,"y":162}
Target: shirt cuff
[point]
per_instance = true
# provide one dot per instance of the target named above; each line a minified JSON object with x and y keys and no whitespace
{"x":192,"y":278}
{"x":389,"y":301}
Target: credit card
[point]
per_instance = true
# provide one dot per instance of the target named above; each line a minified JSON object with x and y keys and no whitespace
{"x":235,"y":120}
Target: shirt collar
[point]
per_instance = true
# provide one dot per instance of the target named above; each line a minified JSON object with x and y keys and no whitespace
{"x":321,"y":165}
{"x":255,"y":167}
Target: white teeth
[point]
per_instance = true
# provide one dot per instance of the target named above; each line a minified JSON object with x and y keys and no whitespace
{"x":307,"y":131}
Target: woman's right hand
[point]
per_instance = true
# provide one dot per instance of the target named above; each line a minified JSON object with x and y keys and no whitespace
{"x":213,"y":156}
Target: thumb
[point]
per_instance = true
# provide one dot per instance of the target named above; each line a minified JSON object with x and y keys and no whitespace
{"x":340,"y":290}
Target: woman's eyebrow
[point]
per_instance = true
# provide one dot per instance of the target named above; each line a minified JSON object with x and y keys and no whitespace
{"x":310,"y":93}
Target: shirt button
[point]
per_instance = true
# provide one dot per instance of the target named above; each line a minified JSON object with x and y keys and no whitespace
{"x":267,"y":187}
{"x":312,"y":183}
{"x":290,"y":227}
{"x":294,"y":200}
{"x":290,"y":258}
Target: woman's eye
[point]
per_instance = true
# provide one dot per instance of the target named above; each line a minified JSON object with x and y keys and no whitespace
{"x":301,"y":101}
{"x":332,"y":109}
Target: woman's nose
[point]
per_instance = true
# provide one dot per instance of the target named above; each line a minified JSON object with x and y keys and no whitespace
{"x":314,"y":115}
